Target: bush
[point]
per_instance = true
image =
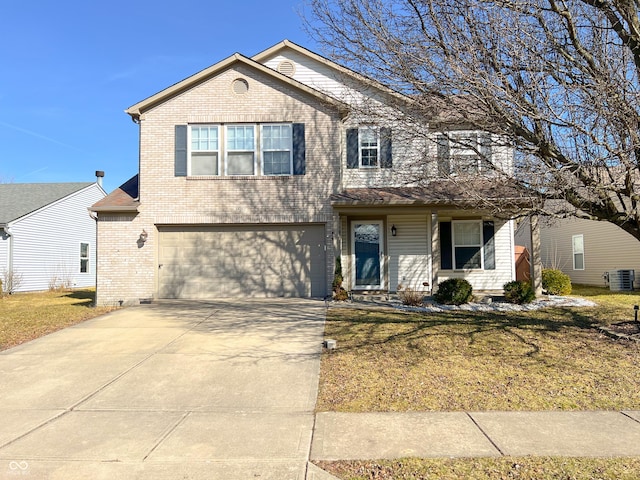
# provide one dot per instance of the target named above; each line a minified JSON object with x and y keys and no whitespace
{"x":409,"y":296}
{"x":519,"y":292}
{"x":554,"y":282}
{"x":454,"y":291}
{"x":339,"y":293}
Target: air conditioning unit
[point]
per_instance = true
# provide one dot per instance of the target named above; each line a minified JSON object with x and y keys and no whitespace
{"x":621,"y":280}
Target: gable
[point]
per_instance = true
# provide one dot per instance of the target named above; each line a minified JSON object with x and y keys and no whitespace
{"x":20,"y":199}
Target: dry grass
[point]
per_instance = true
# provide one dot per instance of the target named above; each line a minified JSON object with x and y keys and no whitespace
{"x":25,"y":316}
{"x":527,"y":468}
{"x":552,"y":359}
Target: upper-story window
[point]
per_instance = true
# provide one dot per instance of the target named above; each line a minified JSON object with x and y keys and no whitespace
{"x":369,"y":147}
{"x":277,"y":149}
{"x":464,"y":153}
{"x":205,"y":150}
{"x":240,"y":149}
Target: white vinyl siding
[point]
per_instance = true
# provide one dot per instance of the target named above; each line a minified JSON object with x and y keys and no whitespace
{"x":46,"y":243}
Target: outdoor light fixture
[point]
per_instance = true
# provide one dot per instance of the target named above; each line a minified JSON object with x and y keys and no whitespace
{"x":143,"y":236}
{"x":394,"y":231}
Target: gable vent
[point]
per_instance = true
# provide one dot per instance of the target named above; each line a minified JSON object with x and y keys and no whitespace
{"x":240,"y":86}
{"x":287,"y":68}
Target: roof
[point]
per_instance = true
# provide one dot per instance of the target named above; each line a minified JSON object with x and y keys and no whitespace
{"x":122,"y":199}
{"x":440,"y":192}
{"x":20,"y":199}
{"x":136,"y":110}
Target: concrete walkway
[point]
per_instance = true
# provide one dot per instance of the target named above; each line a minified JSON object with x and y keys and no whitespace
{"x":173,"y":390}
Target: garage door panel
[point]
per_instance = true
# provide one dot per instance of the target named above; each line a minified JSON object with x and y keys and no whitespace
{"x":256,"y":260}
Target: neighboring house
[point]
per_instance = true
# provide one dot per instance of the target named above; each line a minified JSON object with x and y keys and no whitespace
{"x":255,"y":173}
{"x":48,"y":235}
{"x":587,"y":250}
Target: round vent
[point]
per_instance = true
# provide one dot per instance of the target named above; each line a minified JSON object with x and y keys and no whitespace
{"x":240,"y":86}
{"x":287,"y":68}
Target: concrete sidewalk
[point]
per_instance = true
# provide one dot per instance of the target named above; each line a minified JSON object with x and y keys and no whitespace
{"x":358,"y":436}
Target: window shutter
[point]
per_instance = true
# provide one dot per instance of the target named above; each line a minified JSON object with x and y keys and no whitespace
{"x":386,"y":157}
{"x":352,"y":148}
{"x":488,"y":230}
{"x":485,"y":149}
{"x":299,"y":149}
{"x":446,"y":246}
{"x":180,"y":159}
{"x":444,"y":165}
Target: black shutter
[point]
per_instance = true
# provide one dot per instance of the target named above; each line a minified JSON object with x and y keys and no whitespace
{"x":386,"y":160}
{"x":488,"y":231}
{"x":299,"y":154}
{"x":485,"y":151}
{"x":352,"y":148}
{"x":446,"y":246}
{"x":180,"y":159}
{"x":444,"y":164}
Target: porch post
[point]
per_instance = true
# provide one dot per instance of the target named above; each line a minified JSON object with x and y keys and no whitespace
{"x":536,"y":264}
{"x":435,"y":250}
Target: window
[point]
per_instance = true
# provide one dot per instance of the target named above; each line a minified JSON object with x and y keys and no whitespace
{"x":467,"y":245}
{"x":578,"y":252}
{"x":464,"y":153}
{"x":241,"y":146}
{"x":84,"y":258}
{"x":204,"y":150}
{"x":368,"y":146}
{"x":276,"y":149}
{"x":240,"y":149}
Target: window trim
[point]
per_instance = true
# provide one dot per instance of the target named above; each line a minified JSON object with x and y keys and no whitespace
{"x":263,"y":150}
{"x":86,"y":259}
{"x":190,"y":150}
{"x":376,"y":130}
{"x":574,"y":252}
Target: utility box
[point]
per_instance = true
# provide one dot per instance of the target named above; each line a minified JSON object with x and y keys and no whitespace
{"x":621,"y":280}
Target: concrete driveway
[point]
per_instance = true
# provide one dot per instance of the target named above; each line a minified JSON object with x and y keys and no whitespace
{"x":171,"y":390}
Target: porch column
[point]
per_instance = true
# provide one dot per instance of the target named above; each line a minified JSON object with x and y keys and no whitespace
{"x":435,"y":251}
{"x":536,"y":264}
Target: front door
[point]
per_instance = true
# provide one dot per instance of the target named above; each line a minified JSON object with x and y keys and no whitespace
{"x":367,"y":254}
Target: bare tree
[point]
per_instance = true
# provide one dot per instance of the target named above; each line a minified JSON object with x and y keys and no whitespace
{"x":557,"y":79}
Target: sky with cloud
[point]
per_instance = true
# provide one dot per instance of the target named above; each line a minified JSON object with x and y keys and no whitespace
{"x":70,"y":68}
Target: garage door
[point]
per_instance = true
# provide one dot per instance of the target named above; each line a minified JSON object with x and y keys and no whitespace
{"x":255,"y":260}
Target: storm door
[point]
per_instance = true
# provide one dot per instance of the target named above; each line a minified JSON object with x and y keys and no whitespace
{"x":367,"y":254}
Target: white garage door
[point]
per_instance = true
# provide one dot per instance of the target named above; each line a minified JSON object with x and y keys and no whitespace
{"x":234,"y":261}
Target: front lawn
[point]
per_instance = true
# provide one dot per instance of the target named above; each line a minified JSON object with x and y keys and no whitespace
{"x":551,"y":359}
{"x":25,"y":316}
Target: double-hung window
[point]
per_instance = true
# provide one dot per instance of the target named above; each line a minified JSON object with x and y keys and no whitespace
{"x":369,"y":146}
{"x":277,"y":149}
{"x":467,"y":245}
{"x":578,"y":252}
{"x":84,"y":257}
{"x":241,"y":149}
{"x":205,"y":150}
{"x":464,"y":153}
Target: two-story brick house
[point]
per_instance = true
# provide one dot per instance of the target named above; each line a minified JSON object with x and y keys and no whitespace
{"x":255,"y":173}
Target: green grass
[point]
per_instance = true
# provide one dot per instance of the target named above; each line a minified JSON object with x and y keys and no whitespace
{"x":25,"y":316}
{"x":550,"y":359}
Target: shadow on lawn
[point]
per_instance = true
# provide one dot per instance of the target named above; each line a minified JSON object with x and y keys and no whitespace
{"x":362,"y":328}
{"x":87,"y":297}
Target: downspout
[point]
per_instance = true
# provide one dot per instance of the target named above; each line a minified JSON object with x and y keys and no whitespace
{"x":9,"y":233}
{"x":93,"y":215}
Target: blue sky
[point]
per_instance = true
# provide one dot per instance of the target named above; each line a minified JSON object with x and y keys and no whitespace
{"x":70,"y":68}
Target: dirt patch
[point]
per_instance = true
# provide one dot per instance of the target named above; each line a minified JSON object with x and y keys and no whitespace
{"x":629,"y":330}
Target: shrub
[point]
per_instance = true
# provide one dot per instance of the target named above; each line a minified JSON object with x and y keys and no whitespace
{"x":339,"y":293}
{"x":519,"y":292}
{"x":554,"y":282}
{"x":409,"y":296}
{"x":454,"y":291}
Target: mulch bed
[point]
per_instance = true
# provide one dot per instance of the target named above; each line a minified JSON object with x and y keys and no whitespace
{"x":629,"y":330}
